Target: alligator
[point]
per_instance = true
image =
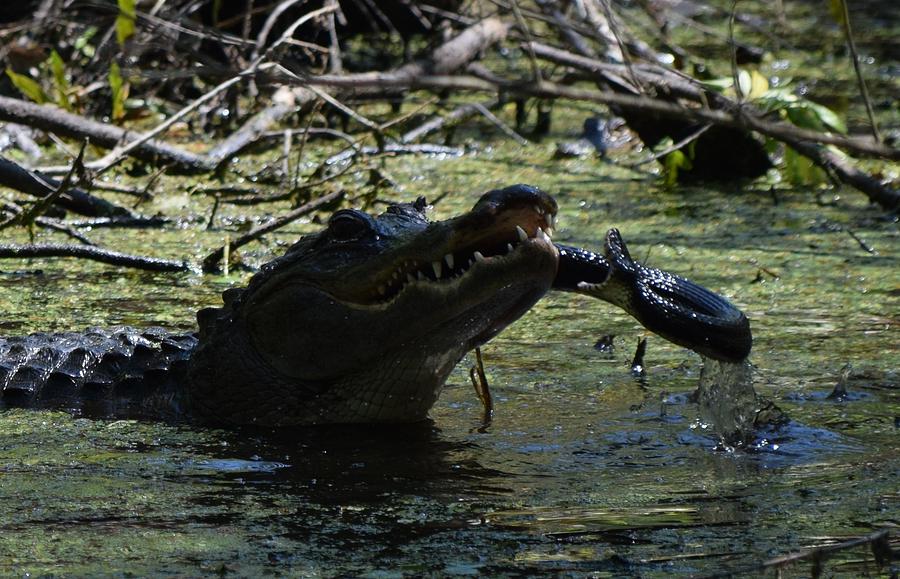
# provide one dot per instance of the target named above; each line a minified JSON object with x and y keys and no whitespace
{"x":361,"y":322}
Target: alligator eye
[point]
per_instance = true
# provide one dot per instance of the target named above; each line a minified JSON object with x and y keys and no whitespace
{"x":349,"y":225}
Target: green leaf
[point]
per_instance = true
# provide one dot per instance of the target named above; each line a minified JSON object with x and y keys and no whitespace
{"x":60,"y":82}
{"x":827,"y":116}
{"x":125,"y":21}
{"x":119,"y":89}
{"x":27,"y":86}
{"x":674,"y":161}
{"x":82,"y":43}
{"x":718,"y":85}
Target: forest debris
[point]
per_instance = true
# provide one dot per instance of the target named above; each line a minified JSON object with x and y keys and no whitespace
{"x":285,"y":102}
{"x":44,"y":203}
{"x":878,"y":541}
{"x":35,"y":184}
{"x":92,"y":253}
{"x":66,"y":124}
{"x":211,"y":261}
{"x":482,"y":388}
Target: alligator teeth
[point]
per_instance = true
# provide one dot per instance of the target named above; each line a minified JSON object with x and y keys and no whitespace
{"x":478,"y":257}
{"x":396,"y":274}
{"x":541,"y":235}
{"x":552,"y":219}
{"x":410,"y":278}
{"x":471,"y":262}
{"x":521,"y":233}
{"x":549,"y":232}
{"x":509,"y":248}
{"x":436,"y":266}
{"x":420,"y":275}
{"x":539,"y":209}
{"x":381,"y":290}
{"x":449,"y":259}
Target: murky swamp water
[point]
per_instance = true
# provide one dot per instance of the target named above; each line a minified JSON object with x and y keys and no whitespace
{"x":584,"y":469}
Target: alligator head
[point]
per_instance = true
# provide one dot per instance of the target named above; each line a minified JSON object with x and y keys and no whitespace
{"x":364,"y":321}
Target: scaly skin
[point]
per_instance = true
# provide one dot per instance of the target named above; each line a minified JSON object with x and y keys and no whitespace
{"x":362,"y":322}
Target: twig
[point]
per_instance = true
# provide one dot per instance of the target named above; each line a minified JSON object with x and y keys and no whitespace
{"x":504,"y":128}
{"x":735,"y":75}
{"x":680,"y":144}
{"x":47,"y":201}
{"x":91,"y":253}
{"x":623,"y":48}
{"x":135,"y":222}
{"x":211,"y":261}
{"x":49,"y":224}
{"x":393,"y":149}
{"x":851,"y":44}
{"x":271,"y":19}
{"x":520,"y":20}
{"x":116,"y":156}
{"x":37,"y":185}
{"x":865,"y":246}
{"x":878,"y":540}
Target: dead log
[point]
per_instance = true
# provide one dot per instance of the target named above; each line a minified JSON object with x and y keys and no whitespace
{"x":66,"y":124}
{"x":451,"y":56}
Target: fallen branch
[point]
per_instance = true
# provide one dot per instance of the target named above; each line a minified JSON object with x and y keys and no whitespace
{"x":44,"y":203}
{"x":550,"y":90}
{"x":284,"y":103}
{"x":211,"y":261}
{"x":801,"y":140}
{"x":52,"y":119}
{"x":844,"y":171}
{"x":740,"y":118}
{"x":728,"y":114}
{"x":451,"y":56}
{"x":35,"y":184}
{"x":49,"y":223}
{"x":92,"y":253}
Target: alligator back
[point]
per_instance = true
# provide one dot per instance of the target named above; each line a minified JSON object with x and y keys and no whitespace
{"x":119,"y":371}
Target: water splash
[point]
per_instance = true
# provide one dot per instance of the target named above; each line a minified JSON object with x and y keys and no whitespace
{"x":728,"y":403}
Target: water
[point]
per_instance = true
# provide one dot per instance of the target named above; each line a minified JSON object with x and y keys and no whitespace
{"x":728,"y":404}
{"x":584,"y":470}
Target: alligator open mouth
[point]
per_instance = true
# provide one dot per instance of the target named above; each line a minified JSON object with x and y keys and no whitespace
{"x":459,"y":261}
